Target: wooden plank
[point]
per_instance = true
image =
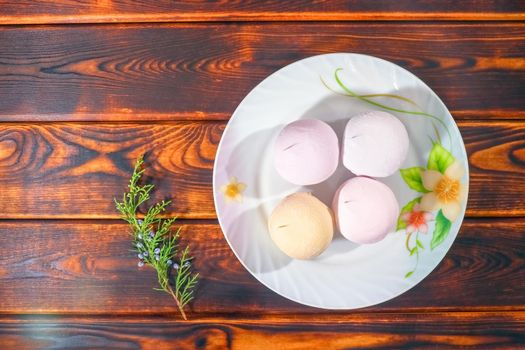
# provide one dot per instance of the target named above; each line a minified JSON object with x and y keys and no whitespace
{"x":195,"y":71}
{"x":64,"y":11}
{"x":371,"y":331}
{"x":74,"y":170}
{"x":496,"y":154}
{"x":87,"y":267}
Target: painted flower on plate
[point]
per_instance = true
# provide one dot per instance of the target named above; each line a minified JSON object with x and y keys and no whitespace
{"x":446,"y":191}
{"x":233,"y":190}
{"x":417,"y":219}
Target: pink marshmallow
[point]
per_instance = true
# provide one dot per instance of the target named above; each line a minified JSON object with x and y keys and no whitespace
{"x":306,"y":152}
{"x":366,"y":210}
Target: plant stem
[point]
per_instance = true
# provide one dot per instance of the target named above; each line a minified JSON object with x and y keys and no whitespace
{"x":170,"y":290}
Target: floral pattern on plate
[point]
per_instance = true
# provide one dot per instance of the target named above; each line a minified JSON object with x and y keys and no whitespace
{"x":442,"y":192}
{"x":439,"y":182}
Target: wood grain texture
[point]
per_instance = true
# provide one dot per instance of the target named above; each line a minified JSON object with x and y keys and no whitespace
{"x":196,"y":71}
{"x":78,"y":103}
{"x":496,"y":154}
{"x":74,"y":170}
{"x":371,"y":331}
{"x":87,"y":267}
{"x":111,"y":11}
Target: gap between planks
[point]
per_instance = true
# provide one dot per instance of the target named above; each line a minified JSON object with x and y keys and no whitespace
{"x":511,"y":117}
{"x":293,"y":17}
{"x":311,"y":317}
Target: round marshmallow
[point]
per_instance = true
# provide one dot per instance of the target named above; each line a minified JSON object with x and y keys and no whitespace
{"x":306,"y":152}
{"x":301,"y":226}
{"x":375,"y":144}
{"x":365,"y":210}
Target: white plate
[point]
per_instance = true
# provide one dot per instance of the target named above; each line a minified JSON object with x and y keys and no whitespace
{"x":346,"y":275}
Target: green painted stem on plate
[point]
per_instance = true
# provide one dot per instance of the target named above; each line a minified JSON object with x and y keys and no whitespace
{"x":367,"y":100}
{"x":397,"y":97}
{"x":408,"y":241}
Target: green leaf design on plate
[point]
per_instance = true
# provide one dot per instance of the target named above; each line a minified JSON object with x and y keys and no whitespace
{"x":413,"y":251}
{"x":439,"y":158}
{"x":401,"y":224}
{"x":419,"y":244}
{"x":412,"y":177}
{"x":441,"y":230}
{"x":409,"y":274}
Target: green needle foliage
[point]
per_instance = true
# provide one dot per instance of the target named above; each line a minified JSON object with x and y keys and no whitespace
{"x":154,"y":243}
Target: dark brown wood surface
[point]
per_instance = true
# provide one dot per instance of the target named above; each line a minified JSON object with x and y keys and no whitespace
{"x":202,"y":71}
{"x":87,"y":86}
{"x":93,"y":11}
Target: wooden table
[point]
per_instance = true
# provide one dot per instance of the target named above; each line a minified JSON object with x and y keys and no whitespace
{"x":85,"y":87}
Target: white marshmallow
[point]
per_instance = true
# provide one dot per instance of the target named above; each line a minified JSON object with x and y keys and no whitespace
{"x":375,"y":144}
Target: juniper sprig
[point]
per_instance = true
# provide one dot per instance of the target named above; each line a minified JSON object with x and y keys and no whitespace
{"x":154,"y":243}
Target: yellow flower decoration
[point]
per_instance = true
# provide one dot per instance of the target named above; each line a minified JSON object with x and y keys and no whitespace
{"x":447,"y":192}
{"x":233,"y":190}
